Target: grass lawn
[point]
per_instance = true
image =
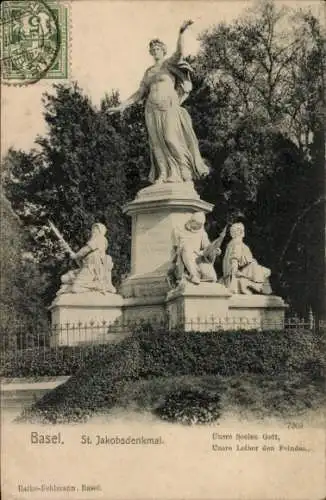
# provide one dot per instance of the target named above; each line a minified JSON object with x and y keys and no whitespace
{"x":247,"y":395}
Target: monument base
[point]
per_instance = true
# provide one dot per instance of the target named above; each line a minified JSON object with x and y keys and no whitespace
{"x":157,"y":212}
{"x":264,"y":311}
{"x":206,"y":307}
{"x":146,"y":285}
{"x":211,"y":307}
{"x":145,"y":309}
{"x":84,"y":317}
{"x":197,"y":307}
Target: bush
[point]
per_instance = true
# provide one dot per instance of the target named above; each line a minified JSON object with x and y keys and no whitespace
{"x":98,"y":385}
{"x":48,"y":362}
{"x":178,"y":353}
{"x":93,"y":388}
{"x":190,"y":406}
{"x":226,"y":353}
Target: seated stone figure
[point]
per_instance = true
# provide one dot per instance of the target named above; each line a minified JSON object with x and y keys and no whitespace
{"x":241,"y":272}
{"x":94,"y":266}
{"x":193,"y":254}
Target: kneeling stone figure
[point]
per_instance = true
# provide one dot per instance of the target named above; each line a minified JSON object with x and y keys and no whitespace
{"x":193,"y":254}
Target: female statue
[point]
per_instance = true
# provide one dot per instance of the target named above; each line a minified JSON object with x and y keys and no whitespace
{"x":94,"y":266}
{"x":174,"y":151}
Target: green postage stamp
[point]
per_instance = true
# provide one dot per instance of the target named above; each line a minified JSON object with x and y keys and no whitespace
{"x":34,"y":41}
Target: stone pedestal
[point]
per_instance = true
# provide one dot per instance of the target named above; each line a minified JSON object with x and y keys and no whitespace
{"x":211,"y":307}
{"x":156,"y":212}
{"x":84,"y":317}
{"x":148,"y":309}
{"x":263,"y":311}
{"x":197,"y":307}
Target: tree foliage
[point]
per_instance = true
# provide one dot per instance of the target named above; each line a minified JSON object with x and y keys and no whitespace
{"x":257,"y":112}
{"x":78,"y":177}
{"x":20,"y":311}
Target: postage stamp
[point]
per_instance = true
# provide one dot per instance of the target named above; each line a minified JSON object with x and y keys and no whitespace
{"x":34,"y":41}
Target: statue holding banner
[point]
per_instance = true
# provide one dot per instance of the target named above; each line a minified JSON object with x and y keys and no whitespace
{"x":93,"y":273}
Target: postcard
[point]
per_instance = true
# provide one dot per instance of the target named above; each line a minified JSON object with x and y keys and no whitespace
{"x":163,"y":250}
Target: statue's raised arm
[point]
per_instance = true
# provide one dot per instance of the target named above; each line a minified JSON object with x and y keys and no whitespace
{"x":180,"y":50}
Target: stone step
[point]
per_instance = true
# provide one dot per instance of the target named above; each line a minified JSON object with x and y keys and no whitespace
{"x":22,"y":393}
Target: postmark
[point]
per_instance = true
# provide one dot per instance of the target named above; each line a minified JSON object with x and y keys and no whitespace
{"x":34,"y":41}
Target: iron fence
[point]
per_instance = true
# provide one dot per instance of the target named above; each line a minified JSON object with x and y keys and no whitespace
{"x":91,"y":334}
{"x":63,"y":349}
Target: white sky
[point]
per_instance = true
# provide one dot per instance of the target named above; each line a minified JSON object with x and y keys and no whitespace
{"x":109,"y":40}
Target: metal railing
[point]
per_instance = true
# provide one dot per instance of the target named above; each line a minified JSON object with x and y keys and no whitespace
{"x":87,"y":334}
{"x":67,"y":347}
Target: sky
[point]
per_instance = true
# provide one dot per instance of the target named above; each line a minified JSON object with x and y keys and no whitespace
{"x":109,"y":50}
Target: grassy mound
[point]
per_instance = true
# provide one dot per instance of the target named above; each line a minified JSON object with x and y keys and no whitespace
{"x":186,"y":376}
{"x":246,"y":395}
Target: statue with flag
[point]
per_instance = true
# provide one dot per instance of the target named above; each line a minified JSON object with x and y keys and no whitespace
{"x":94,"y":264}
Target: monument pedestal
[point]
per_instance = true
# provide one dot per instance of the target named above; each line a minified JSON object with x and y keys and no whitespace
{"x":84,"y":317}
{"x":211,"y":307}
{"x":197,"y":307}
{"x":156,"y":211}
{"x":265,"y":311}
{"x":147,"y":294}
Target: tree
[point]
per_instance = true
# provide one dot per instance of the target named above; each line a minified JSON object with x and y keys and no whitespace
{"x":77,"y":178}
{"x":256,"y":112}
{"x":20,"y":310}
{"x":131,"y":127}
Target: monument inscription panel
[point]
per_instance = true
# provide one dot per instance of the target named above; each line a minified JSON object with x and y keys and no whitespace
{"x":152,"y":245}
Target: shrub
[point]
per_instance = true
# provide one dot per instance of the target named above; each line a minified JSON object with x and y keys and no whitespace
{"x":98,"y":385}
{"x":93,"y":388}
{"x":190,"y":406}
{"x":178,"y":353}
{"x":63,"y":360}
{"x":226,"y":353}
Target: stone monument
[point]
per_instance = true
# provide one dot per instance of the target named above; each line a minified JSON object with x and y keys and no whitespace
{"x":194,"y":255}
{"x":157,"y":213}
{"x":242,"y":273}
{"x":172,"y":272}
{"x":172,"y":276}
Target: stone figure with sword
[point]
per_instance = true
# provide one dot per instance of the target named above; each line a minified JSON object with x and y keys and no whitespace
{"x":94,"y":264}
